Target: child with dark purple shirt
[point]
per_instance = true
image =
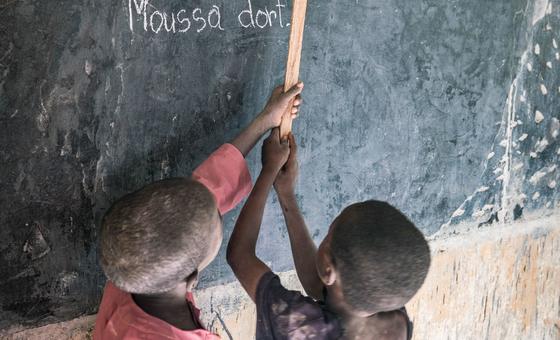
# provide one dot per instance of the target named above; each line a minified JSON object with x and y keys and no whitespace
{"x":371,"y":263}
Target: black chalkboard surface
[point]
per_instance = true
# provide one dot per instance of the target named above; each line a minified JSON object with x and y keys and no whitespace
{"x":429,"y":105}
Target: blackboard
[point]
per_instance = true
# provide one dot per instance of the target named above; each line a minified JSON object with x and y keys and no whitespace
{"x":429,"y":105}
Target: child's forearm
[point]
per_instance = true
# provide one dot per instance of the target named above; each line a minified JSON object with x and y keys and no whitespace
{"x":246,"y":231}
{"x":241,"y":254}
{"x":246,"y":140}
{"x":304,"y":250}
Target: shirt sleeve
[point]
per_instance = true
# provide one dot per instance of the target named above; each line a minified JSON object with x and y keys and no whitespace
{"x":286,"y":314}
{"x":226,"y":175}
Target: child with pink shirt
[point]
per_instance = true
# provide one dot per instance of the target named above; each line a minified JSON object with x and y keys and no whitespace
{"x":157,"y":240}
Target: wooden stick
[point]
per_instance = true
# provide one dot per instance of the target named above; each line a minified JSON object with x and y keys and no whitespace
{"x":294,"y":56}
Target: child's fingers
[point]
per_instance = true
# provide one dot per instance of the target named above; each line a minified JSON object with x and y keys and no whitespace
{"x":298,"y":100}
{"x":278,"y":90}
{"x":275,"y":133}
{"x":293,"y":148}
{"x":295,"y":110}
{"x":294,"y":91}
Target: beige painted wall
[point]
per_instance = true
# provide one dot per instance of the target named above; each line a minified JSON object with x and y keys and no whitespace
{"x":502,"y":282}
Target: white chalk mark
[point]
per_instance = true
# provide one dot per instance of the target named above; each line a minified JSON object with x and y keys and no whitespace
{"x":488,"y":207}
{"x":554,"y":127}
{"x":529,"y":67}
{"x":549,"y":64}
{"x":517,"y":166}
{"x":478,"y":214}
{"x":544,"y":90}
{"x":533,"y":155}
{"x":552,"y":184}
{"x":88,"y":67}
{"x":523,"y":137}
{"x":482,"y":189}
{"x":536,"y":196}
{"x":504,"y":143}
{"x":541,"y":145}
{"x":539,"y":117}
{"x":483,"y":211}
{"x":539,"y":10}
{"x":537,"y":176}
{"x":458,"y":212}
{"x":506,"y":199}
{"x":554,"y":43}
{"x":537,"y":49}
{"x":490,"y":155}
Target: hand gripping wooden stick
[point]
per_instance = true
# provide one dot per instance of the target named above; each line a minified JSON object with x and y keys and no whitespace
{"x":294,"y":56}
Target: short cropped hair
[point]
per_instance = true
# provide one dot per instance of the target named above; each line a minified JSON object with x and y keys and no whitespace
{"x":381,"y":257}
{"x":154,"y":238}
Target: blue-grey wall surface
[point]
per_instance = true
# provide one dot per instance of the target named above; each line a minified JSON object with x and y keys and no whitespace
{"x":447,"y":109}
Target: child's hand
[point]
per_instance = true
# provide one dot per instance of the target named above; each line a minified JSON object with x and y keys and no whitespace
{"x":278,"y":104}
{"x":286,"y":179}
{"x":274,"y":152}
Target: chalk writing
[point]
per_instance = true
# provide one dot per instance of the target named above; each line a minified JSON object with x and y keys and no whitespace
{"x":152,"y":19}
{"x":181,"y":21}
{"x":261,"y":17}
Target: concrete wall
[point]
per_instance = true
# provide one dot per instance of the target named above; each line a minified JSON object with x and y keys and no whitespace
{"x":495,"y":283}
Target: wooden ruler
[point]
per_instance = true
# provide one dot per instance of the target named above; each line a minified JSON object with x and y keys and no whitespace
{"x":294,"y":56}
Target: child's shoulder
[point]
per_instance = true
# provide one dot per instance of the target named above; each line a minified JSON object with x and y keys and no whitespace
{"x":281,"y":311}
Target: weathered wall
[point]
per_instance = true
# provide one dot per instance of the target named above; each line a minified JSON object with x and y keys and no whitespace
{"x":494,"y":283}
{"x":446,"y":109}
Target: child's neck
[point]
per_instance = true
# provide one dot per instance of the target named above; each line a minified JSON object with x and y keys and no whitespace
{"x":171,"y":307}
{"x":355,"y":326}
{"x":352,"y":324}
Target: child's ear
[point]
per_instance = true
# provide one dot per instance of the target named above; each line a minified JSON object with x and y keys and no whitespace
{"x":326,"y":269}
{"x":330,"y":276}
{"x":192,"y":280}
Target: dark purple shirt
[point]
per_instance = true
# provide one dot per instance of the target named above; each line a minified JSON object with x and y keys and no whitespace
{"x":286,"y":314}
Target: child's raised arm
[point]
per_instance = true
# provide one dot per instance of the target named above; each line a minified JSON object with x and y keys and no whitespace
{"x":241,"y":255}
{"x":304,"y":250}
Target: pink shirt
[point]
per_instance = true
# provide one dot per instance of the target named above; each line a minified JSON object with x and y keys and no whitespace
{"x":226,"y":175}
